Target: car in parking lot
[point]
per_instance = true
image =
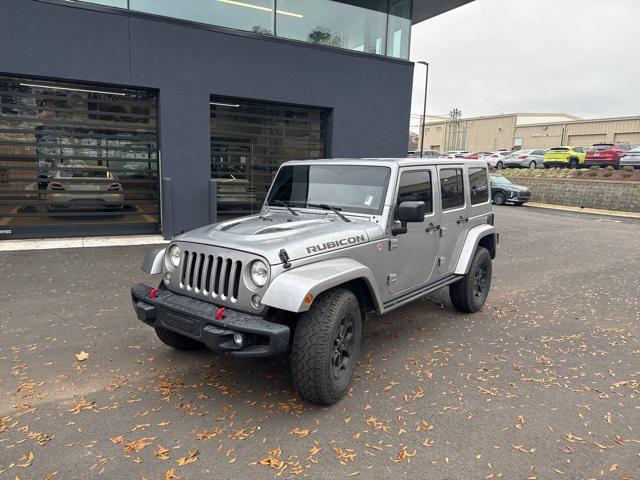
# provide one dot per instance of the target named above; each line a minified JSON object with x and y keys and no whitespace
{"x":496,"y":159}
{"x":336,"y":242}
{"x":631,"y":158}
{"x":571,"y":157}
{"x":452,"y":154}
{"x":425,"y":154}
{"x":607,"y":154}
{"x":525,"y":159}
{"x":477,"y":156}
{"x":503,"y":191}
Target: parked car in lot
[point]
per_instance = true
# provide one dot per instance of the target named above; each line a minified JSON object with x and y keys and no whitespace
{"x":631,"y":158}
{"x":477,"y":156}
{"x":496,"y":159}
{"x":607,"y":154}
{"x":503,"y":191}
{"x":425,"y":154}
{"x":571,"y":157}
{"x":525,"y":159}
{"x":336,"y":241}
{"x":452,"y":154}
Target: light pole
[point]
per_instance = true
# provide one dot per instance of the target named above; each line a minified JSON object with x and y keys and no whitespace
{"x":424,"y":108}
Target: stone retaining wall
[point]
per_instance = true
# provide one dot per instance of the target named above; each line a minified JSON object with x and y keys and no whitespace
{"x":607,"y":195}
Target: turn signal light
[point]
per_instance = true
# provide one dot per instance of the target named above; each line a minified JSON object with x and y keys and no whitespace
{"x":308,"y":299}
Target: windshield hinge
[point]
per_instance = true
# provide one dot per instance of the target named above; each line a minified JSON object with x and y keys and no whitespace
{"x":284,"y":256}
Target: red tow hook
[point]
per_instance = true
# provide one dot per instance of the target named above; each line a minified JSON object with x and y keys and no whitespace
{"x":220,"y":314}
{"x":153,"y":293}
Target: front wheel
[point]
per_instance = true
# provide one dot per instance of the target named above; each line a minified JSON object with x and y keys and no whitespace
{"x":326,"y":346}
{"x":499,"y":198}
{"x":469,"y":294}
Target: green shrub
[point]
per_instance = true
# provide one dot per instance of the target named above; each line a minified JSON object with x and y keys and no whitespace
{"x":610,"y":168}
{"x":628,"y":168}
{"x":608,"y":173}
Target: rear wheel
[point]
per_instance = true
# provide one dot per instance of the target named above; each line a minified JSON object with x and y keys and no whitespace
{"x":469,"y":294}
{"x":177,"y":341}
{"x":499,"y":165}
{"x":533,"y":164}
{"x":499,"y":198}
{"x":573,"y":162}
{"x":326,"y":346}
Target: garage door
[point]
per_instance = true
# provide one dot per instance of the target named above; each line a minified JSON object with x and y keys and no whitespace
{"x":632,"y":138}
{"x":250,"y":140}
{"x":586,"y":140}
{"x":77,"y":159}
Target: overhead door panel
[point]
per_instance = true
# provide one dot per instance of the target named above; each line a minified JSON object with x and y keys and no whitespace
{"x":630,"y":137}
{"x":250,"y":140}
{"x":77,"y":159}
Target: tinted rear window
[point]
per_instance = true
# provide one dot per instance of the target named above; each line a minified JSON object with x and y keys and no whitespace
{"x":606,"y":146}
{"x":559,"y":149}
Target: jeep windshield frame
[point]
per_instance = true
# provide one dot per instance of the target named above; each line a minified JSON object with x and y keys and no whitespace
{"x":348,"y":187}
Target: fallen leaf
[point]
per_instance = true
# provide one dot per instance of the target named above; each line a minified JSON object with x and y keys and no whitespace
{"x":192,"y":457}
{"x":82,"y":356}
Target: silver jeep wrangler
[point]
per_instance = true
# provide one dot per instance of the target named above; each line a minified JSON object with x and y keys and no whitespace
{"x":335,"y":241}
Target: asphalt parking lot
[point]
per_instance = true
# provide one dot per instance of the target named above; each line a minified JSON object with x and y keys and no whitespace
{"x":543,"y":383}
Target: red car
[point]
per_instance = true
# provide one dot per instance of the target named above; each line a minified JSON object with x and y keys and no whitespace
{"x":476,"y":155}
{"x":605,"y":154}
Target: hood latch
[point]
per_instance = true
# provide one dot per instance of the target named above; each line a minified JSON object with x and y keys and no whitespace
{"x":284,"y":256}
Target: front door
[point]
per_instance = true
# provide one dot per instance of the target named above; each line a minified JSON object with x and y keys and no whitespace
{"x":455,"y":218}
{"x":412,"y":256}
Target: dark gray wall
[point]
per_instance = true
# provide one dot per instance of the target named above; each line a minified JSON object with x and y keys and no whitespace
{"x":370,"y":96}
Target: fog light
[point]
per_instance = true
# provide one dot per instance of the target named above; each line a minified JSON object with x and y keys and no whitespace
{"x":238,"y":339}
{"x":167,"y":278}
{"x":256,"y":301}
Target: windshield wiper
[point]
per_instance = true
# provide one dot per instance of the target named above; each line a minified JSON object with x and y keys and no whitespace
{"x":285,"y":205}
{"x":335,"y":210}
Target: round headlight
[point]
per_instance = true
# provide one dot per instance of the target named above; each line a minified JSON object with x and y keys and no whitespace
{"x":173,"y":257}
{"x":259,"y":273}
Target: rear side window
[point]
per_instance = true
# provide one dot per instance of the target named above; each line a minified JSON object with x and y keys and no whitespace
{"x":415,"y":186}
{"x":479,"y":185}
{"x":451,"y":188}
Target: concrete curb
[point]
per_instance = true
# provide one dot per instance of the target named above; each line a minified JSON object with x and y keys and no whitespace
{"x":88,"y":242}
{"x":593,"y":211}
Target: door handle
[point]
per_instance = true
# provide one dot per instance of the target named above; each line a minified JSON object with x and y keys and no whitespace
{"x":462,"y":220}
{"x":432,"y":228}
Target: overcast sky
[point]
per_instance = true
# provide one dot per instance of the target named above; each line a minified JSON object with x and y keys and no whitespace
{"x":502,"y":56}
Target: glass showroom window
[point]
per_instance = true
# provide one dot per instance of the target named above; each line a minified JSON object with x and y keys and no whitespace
{"x":399,"y":33}
{"x":337,"y":24}
{"x":251,"y":15}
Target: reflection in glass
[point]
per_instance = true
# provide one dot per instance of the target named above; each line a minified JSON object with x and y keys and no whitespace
{"x":399,"y":28}
{"x":77,"y":158}
{"x":110,"y":3}
{"x":251,"y":15}
{"x":335,"y":24}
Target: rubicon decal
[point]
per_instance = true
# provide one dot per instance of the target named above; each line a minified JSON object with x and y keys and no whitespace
{"x":343,"y":242}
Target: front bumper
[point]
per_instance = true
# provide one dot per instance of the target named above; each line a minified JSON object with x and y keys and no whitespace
{"x":197,"y":319}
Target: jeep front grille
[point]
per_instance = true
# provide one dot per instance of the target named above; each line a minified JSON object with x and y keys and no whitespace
{"x":215,"y":276}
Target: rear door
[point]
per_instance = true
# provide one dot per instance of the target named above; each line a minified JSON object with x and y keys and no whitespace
{"x":455,"y":216}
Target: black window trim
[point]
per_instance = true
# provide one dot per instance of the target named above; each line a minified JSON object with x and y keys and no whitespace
{"x":486,"y":171}
{"x":418,"y":168}
{"x":464,"y":193}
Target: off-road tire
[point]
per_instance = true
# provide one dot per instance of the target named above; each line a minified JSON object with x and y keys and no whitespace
{"x":463,"y":293}
{"x":499,"y":198}
{"x":177,"y":341}
{"x":314,"y":347}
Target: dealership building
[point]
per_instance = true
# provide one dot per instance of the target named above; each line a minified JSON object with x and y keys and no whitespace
{"x":158,"y":116}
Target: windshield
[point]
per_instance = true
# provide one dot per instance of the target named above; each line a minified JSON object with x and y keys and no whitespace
{"x":352,"y":188}
{"x":497,"y":180}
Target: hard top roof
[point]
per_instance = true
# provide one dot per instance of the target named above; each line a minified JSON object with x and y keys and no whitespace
{"x":390,"y":162}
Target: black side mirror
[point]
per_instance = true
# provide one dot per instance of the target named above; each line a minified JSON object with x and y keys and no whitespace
{"x":409,"y":212}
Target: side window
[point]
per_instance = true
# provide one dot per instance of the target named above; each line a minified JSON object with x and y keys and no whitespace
{"x":415,"y":186}
{"x":479,"y":185}
{"x":451,"y":188}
